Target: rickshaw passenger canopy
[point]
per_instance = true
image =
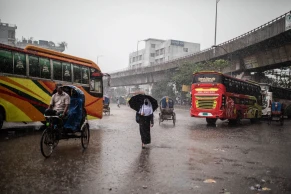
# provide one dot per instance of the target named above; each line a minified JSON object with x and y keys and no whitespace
{"x":76,"y":109}
{"x":276,"y":106}
{"x":167,"y":102}
{"x":106,"y":100}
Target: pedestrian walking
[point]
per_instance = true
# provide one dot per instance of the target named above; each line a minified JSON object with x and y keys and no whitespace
{"x":144,"y":106}
{"x":118,"y":103}
{"x":146,"y":121}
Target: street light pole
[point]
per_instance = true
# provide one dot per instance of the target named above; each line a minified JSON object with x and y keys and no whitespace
{"x":215,"y":22}
{"x":229,"y":59}
{"x":98,"y":57}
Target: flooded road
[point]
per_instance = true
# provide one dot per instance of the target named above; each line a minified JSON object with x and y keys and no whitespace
{"x":180,"y":159}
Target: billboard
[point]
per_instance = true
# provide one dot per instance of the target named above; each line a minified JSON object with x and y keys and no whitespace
{"x":177,"y":43}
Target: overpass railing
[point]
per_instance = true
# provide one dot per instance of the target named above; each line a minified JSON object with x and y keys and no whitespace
{"x":265,"y":31}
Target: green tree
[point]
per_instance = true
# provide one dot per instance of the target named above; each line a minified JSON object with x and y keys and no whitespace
{"x":163,"y":88}
{"x":63,"y":44}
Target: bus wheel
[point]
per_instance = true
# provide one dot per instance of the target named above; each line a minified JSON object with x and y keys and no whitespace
{"x":282,"y":121}
{"x":235,"y":121}
{"x":211,"y":121}
{"x":1,"y":118}
{"x":254,"y":120}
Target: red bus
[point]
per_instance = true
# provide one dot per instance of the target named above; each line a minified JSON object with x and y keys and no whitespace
{"x":217,"y":96}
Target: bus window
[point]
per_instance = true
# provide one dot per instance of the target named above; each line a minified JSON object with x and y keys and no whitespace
{"x":6,"y":62}
{"x":85,"y":75}
{"x":77,"y":73}
{"x":34,"y":69}
{"x":19,"y":64}
{"x":96,"y":85}
{"x":67,"y":72}
{"x":57,"y":70}
{"x":45,"y":68}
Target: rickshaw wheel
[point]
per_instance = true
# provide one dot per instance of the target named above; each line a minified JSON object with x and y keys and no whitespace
{"x":282,"y":121}
{"x":1,"y":119}
{"x":174,"y":119}
{"x":48,"y":142}
{"x":160,"y":118}
{"x":269,"y":120}
{"x":85,"y":136}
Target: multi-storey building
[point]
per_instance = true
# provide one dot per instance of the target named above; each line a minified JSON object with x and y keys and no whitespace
{"x":7,"y":33}
{"x":7,"y":36}
{"x":159,"y":51}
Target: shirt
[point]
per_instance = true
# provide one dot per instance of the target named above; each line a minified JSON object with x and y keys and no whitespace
{"x":59,"y":102}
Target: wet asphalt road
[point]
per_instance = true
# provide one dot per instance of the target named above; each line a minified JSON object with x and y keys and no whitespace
{"x":179,"y":159}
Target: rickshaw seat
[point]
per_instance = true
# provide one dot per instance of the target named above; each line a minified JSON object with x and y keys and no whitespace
{"x":167,"y":110}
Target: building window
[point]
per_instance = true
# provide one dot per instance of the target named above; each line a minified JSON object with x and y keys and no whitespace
{"x":6,"y":61}
{"x":185,"y":49}
{"x":161,"y":60}
{"x":139,"y":57}
{"x":152,"y":54}
{"x":11,"y":34}
{"x":133,"y":59}
{"x":169,"y":49}
{"x":162,"y":51}
{"x":157,"y":53}
{"x":152,"y":63}
{"x":153,"y":46}
{"x":157,"y":61}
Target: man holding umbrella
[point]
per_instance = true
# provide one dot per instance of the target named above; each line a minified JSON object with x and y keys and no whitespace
{"x":145,"y":106}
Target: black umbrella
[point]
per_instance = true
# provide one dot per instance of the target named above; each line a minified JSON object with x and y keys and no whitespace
{"x":137,"y":101}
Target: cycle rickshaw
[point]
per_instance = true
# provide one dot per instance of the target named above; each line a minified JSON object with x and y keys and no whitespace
{"x":167,"y":110}
{"x":106,"y":108}
{"x":277,"y":113}
{"x":75,"y":125}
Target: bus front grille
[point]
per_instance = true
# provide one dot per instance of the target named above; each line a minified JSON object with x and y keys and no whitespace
{"x":206,"y":102}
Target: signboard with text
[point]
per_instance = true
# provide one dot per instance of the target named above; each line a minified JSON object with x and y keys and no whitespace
{"x":177,"y":43}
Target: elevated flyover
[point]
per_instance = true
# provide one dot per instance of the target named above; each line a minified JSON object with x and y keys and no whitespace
{"x":266,"y":47}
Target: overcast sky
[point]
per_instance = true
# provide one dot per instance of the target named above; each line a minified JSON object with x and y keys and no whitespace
{"x":112,"y":27}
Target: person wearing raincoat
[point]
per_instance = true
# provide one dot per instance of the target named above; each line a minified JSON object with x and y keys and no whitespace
{"x":146,"y":122}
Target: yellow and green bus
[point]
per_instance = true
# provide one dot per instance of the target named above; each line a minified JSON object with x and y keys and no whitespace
{"x":29,"y":76}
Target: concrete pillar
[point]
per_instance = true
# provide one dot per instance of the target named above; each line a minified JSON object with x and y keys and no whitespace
{"x":150,"y":88}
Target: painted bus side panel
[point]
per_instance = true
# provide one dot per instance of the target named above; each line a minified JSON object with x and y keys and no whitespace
{"x":26,"y":100}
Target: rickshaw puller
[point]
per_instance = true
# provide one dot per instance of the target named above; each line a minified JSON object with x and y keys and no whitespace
{"x":60,"y":102}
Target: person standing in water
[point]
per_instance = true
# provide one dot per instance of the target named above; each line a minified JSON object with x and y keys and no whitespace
{"x":146,"y":122}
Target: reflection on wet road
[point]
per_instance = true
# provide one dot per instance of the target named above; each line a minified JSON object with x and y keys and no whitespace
{"x":179,"y":159}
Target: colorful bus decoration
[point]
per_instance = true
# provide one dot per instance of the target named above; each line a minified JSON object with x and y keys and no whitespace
{"x":217,"y":96}
{"x":29,"y":76}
